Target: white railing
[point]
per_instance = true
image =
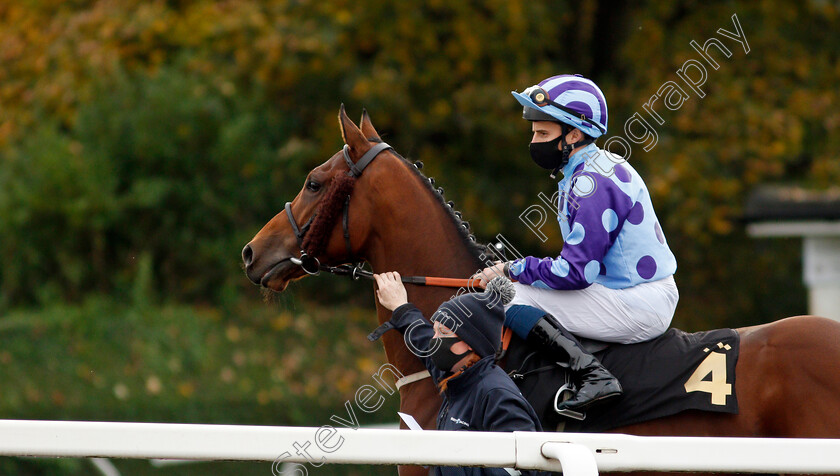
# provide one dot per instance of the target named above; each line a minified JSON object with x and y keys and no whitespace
{"x":580,"y":454}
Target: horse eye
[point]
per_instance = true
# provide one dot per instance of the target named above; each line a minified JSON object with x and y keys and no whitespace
{"x":313,"y":186}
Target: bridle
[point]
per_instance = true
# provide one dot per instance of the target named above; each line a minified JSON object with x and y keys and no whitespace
{"x":309,"y":263}
{"x":355,"y":270}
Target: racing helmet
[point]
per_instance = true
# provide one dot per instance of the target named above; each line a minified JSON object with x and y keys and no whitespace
{"x":569,"y":99}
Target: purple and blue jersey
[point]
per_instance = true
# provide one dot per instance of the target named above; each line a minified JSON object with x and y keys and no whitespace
{"x":610,"y":231}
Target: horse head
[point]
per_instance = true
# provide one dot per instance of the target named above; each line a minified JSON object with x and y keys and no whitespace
{"x":307,"y":232}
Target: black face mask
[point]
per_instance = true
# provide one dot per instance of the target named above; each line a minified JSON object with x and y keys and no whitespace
{"x":547,"y":155}
{"x":442,"y":356}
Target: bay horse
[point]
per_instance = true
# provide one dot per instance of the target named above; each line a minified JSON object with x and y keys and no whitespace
{"x":788,"y":372}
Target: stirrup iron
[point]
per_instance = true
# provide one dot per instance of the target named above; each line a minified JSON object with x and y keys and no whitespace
{"x":561,"y":392}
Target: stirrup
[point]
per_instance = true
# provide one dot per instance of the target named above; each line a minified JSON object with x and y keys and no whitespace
{"x":565,"y":411}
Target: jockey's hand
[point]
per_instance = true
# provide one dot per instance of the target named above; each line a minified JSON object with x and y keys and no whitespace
{"x":487,"y":274}
{"x":391,"y":292}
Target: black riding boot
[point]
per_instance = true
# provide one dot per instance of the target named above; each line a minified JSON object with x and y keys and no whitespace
{"x":596,"y":382}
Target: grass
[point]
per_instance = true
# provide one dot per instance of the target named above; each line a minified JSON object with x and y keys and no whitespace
{"x":260,"y":364}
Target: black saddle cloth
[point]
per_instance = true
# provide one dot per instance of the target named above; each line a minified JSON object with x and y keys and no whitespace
{"x":675,"y":372}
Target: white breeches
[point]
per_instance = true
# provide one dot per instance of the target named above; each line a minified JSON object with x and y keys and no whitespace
{"x":635,"y":314}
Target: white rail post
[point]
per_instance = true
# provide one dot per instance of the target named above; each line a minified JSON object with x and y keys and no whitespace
{"x":576,"y":460}
{"x":615,"y":452}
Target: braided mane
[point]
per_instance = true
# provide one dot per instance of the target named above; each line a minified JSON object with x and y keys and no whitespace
{"x":478,"y":251}
{"x":330,"y":208}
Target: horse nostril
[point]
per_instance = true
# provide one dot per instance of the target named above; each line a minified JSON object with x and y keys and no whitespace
{"x":247,"y":255}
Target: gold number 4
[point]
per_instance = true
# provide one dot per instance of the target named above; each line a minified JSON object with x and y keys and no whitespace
{"x":714,"y":364}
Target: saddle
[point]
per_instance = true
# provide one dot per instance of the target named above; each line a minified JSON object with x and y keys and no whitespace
{"x":675,"y":372}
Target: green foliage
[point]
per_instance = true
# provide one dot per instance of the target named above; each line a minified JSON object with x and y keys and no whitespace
{"x":764,"y":118}
{"x":104,"y":360}
{"x":153,"y":169}
{"x":50,"y":195}
{"x":39,"y":467}
{"x":174,"y":130}
{"x":107,"y":361}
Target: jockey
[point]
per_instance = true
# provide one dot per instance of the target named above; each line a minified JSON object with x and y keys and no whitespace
{"x":613,"y":280}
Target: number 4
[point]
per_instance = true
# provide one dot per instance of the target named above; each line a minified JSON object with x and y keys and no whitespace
{"x":714,"y":364}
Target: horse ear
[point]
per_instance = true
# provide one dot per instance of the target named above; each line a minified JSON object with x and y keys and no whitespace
{"x":350,"y":132}
{"x":367,"y":126}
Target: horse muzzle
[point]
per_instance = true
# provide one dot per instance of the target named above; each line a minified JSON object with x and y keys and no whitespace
{"x":274,"y":275}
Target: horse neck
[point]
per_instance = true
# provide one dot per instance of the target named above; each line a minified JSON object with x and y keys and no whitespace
{"x":414,"y":234}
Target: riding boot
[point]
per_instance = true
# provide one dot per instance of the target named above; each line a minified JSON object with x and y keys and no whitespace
{"x":596,"y":382}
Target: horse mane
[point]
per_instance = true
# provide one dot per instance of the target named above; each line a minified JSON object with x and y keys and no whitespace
{"x":478,"y":251}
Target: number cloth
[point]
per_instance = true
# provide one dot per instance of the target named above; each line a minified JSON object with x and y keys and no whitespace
{"x":675,"y":372}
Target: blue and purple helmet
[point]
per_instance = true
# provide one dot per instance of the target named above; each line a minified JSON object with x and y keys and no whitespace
{"x":567,"y":98}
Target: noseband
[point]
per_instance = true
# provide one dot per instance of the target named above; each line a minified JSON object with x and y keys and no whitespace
{"x":307,"y":261}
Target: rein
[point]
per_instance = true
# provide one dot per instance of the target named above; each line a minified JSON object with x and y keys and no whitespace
{"x":356,"y":271}
{"x":315,"y":243}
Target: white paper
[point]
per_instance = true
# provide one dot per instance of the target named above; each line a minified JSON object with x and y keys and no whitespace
{"x":410,"y":421}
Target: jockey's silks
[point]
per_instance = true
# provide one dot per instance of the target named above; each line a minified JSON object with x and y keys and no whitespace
{"x":610,"y":230}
